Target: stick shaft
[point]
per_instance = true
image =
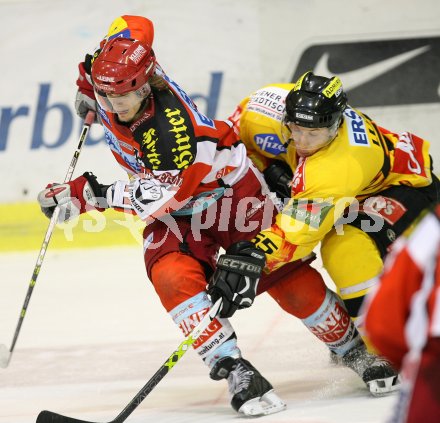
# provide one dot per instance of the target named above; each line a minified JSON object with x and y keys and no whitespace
{"x":84,"y":132}
{"x":51,"y":417}
{"x":169,"y":363}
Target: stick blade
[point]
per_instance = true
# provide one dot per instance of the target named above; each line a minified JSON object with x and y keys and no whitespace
{"x":5,"y":356}
{"x":50,"y":417}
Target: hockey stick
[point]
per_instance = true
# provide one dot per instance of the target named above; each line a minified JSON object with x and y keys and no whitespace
{"x":50,"y":417}
{"x":5,"y":354}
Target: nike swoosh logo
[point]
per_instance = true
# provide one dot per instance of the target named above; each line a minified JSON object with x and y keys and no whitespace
{"x":355,"y":78}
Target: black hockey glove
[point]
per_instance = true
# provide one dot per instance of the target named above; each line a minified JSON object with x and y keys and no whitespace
{"x":278,"y":177}
{"x":236,"y":278}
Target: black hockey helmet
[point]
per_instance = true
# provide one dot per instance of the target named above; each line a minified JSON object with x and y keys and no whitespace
{"x":315,"y":101}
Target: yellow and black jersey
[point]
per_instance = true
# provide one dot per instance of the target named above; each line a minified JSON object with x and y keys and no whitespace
{"x":362,"y":160}
{"x":258,"y":120}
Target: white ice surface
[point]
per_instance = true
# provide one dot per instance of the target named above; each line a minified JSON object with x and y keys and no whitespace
{"x":95,"y":333}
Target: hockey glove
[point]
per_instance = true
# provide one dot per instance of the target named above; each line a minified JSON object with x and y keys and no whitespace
{"x":236,"y":278}
{"x":278,"y":177}
{"x":75,"y":197}
{"x":85,"y":96}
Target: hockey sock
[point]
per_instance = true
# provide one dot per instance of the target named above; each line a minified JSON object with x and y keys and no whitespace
{"x":219,"y":339}
{"x":332,"y":325}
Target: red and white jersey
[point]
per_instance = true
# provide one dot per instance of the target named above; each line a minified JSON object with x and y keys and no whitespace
{"x":182,"y":150}
{"x":176,"y":151}
{"x":403,"y":320}
{"x":404,"y":312}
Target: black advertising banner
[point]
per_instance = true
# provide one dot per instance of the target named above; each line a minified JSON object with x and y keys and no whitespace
{"x":380,"y":72}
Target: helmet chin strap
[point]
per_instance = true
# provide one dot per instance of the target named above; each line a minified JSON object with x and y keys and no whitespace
{"x":144,"y":91}
{"x":142,"y":108}
{"x":335,"y":128}
{"x":333,"y":133}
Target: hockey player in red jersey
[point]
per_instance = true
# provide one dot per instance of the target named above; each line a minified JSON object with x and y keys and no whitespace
{"x":184,"y":169}
{"x":355,"y":188}
{"x":403,"y":320}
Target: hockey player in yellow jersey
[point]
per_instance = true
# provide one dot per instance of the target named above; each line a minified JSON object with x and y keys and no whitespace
{"x":356,"y":159}
{"x":354,"y":188}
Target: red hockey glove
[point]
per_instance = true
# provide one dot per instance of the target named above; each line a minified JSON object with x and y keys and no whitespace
{"x":75,"y":197}
{"x":85,"y":96}
{"x":236,"y":278}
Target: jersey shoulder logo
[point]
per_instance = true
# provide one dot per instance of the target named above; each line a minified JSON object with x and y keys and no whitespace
{"x":269,"y":143}
{"x":357,"y":132}
{"x":200,"y":118}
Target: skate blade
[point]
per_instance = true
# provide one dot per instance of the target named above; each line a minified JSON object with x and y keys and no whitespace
{"x":380,"y":387}
{"x":5,"y":356}
{"x":269,"y":403}
{"x":335,"y":360}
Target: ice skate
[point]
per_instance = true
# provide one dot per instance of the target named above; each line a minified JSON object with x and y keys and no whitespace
{"x":251,"y":393}
{"x":375,"y":371}
{"x":335,"y":359}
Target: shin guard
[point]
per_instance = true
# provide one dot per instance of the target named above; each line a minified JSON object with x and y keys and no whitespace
{"x":219,"y":339}
{"x":332,"y":325}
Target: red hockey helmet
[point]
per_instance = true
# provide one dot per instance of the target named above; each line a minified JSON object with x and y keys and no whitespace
{"x":123,"y":65}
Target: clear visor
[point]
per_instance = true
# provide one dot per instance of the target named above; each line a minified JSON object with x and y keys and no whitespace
{"x":308,"y":140}
{"x":123,"y":104}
